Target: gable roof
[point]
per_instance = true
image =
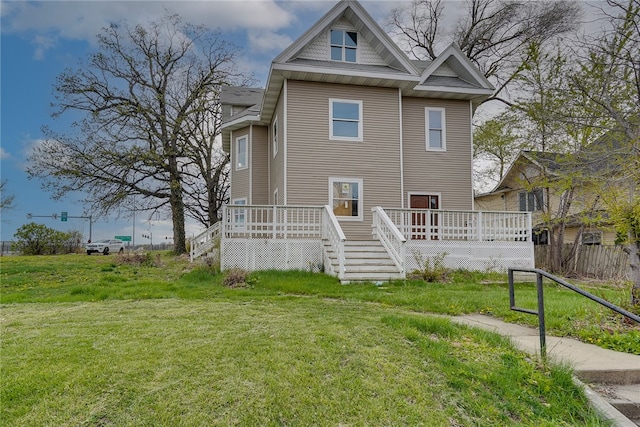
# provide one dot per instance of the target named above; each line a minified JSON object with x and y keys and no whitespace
{"x":467,"y":75}
{"x":593,"y":160}
{"x":367,"y":27}
{"x":381,"y":63}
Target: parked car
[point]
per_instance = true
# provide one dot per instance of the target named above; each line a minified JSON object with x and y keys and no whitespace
{"x":105,"y":246}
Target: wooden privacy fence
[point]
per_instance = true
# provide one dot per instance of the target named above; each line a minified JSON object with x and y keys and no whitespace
{"x":594,"y":261}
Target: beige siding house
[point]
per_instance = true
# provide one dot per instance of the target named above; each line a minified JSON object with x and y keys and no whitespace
{"x":522,"y":189}
{"x":349,"y":125}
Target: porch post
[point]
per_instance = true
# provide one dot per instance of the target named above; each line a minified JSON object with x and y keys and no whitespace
{"x":223,"y":234}
{"x":274,"y":221}
{"x":479,"y":226}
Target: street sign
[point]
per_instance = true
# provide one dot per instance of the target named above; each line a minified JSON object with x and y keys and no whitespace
{"x":63,"y":217}
{"x":123,"y":238}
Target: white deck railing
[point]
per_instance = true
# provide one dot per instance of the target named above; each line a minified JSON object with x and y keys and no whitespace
{"x":428,"y":224}
{"x":388,"y":234}
{"x":272,"y":222}
{"x":332,"y":233}
{"x":204,"y":241}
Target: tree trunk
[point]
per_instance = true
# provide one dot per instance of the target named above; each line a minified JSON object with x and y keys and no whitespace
{"x":177,"y":208}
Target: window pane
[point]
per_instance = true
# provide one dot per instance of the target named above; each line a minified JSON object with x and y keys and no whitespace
{"x":343,"y":110}
{"x":349,"y":129}
{"x":345,"y":198}
{"x":530,"y":202}
{"x":242,"y":152}
{"x":523,"y":201}
{"x":351,"y":39}
{"x":337,"y":37}
{"x":435,"y":139}
{"x":435,"y":120}
{"x":350,"y":55}
{"x":336,"y":53}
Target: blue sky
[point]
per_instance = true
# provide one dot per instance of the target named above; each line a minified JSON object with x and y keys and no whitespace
{"x":40,"y":39}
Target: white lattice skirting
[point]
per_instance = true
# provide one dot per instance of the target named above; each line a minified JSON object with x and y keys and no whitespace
{"x":470,"y":255}
{"x":272,"y":254}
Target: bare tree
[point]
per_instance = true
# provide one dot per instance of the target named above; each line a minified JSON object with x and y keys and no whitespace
{"x":494,"y":34}
{"x":138,"y":98}
{"x":6,"y":200}
{"x":208,"y":177}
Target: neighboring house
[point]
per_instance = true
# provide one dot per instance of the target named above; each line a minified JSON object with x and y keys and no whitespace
{"x":522,"y":189}
{"x":349,"y":122}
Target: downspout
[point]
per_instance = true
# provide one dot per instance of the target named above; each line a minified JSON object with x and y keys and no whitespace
{"x":284,"y":142}
{"x":232,"y":159}
{"x":250,"y":154}
{"x":473,"y":199}
{"x":401,"y":149}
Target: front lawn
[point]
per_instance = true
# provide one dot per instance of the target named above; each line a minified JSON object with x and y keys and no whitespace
{"x":99,"y":341}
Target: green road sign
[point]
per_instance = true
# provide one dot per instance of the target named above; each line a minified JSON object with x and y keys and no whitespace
{"x":63,"y":217}
{"x":123,"y":238}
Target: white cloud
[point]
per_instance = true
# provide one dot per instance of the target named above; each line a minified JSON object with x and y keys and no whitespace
{"x":42,"y":43}
{"x":268,"y":42}
{"x":83,"y":19}
{"x":4,"y":154}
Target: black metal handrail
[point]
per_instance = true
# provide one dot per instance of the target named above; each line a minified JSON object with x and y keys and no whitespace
{"x":540,"y":313}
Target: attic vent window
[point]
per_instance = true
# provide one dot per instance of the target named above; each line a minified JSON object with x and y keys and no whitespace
{"x":344,"y":45}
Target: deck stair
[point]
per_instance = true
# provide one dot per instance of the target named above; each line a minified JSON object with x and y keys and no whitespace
{"x":619,"y":387}
{"x":365,"y":260}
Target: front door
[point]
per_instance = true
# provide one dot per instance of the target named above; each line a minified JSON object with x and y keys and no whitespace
{"x":424,"y":226}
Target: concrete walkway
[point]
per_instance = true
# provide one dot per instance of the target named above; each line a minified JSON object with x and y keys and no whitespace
{"x":615,"y":375}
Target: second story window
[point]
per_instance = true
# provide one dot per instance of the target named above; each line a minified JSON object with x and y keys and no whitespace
{"x":531,"y":201}
{"x":435,"y":129}
{"x":275,"y":136}
{"x":344,"y":45}
{"x":345,"y":120}
{"x":241,"y":153}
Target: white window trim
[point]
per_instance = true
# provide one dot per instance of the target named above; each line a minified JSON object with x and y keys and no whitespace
{"x":237,"y":213}
{"x":358,"y":181}
{"x":275,"y":196}
{"x":237,"y":153}
{"x":358,"y":138}
{"x":344,"y":47}
{"x":427,"y":127}
{"x":275,"y":136}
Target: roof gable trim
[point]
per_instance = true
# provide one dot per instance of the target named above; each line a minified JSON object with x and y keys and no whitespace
{"x":351,"y":10}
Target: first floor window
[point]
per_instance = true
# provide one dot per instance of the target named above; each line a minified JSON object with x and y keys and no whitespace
{"x":345,"y":120}
{"x":592,"y":238}
{"x":540,"y":237}
{"x":345,"y":197}
{"x":239,"y":215}
{"x":242,"y":144}
{"x":531,"y":201}
{"x":435,"y":129}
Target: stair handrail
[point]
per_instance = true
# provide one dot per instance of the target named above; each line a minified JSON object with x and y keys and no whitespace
{"x":204,"y":241}
{"x":332,"y":232}
{"x":389,"y":236}
{"x":540,"y":312}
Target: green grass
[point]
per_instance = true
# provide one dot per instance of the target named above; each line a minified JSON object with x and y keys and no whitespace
{"x":280,"y":361}
{"x":73,"y":278}
{"x":95,"y":341}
